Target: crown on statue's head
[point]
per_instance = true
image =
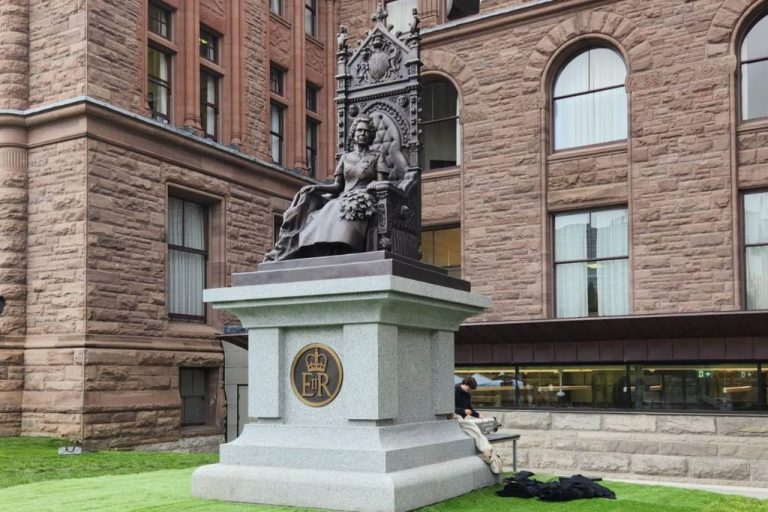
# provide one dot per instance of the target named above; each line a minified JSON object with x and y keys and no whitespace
{"x":316,"y":362}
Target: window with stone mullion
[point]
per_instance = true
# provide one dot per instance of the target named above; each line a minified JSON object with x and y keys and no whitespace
{"x":192,"y":384}
{"x":310,"y":17}
{"x":754,"y":71}
{"x":159,"y":84}
{"x":312,"y":130}
{"x":187,"y":258}
{"x":590,"y":100}
{"x":276,"y":133}
{"x":591,"y":264}
{"x":159,"y":20}
{"x":756,"y":249}
{"x":209,"y":104}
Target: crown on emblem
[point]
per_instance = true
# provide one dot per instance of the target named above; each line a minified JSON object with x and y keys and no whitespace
{"x":316,"y":362}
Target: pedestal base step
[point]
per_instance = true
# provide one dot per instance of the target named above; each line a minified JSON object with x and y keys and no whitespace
{"x":343,"y":490}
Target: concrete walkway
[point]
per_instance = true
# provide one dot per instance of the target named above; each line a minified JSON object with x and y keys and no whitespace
{"x":760,"y":493}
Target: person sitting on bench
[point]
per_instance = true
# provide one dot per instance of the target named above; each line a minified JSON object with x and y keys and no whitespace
{"x":463,"y":396}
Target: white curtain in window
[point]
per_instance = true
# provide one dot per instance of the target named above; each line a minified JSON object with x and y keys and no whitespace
{"x":194,"y":226}
{"x":571,"y":290}
{"x":186,"y":281}
{"x":400,"y":14}
{"x":756,"y":218}
{"x":175,"y":220}
{"x":610,"y":231}
{"x":571,"y":236}
{"x":591,"y":118}
{"x":757,"y":277}
{"x":276,"y":132}
{"x":613,"y":287}
{"x":595,"y":114}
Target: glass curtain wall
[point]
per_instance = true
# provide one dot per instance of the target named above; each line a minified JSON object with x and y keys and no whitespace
{"x":700,"y":387}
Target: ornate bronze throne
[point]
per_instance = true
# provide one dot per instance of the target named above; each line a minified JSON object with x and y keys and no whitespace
{"x":380,"y":79}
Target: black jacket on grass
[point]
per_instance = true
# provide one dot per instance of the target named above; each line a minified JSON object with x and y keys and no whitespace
{"x":564,"y":489}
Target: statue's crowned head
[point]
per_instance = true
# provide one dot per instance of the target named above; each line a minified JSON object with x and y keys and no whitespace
{"x":369,"y":126}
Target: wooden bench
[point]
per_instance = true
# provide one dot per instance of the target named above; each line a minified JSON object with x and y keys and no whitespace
{"x":497,"y":437}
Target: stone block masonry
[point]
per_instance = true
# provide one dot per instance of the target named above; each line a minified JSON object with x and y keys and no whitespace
{"x":11,"y":390}
{"x":713,"y":449}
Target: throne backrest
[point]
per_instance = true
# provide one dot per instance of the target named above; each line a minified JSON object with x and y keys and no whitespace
{"x":388,"y":142}
{"x":380,"y":80}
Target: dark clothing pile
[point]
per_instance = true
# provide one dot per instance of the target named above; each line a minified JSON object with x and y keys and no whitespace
{"x":563,"y":489}
{"x":463,"y":401}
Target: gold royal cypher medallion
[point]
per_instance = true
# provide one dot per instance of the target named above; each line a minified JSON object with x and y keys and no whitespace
{"x":316,"y":375}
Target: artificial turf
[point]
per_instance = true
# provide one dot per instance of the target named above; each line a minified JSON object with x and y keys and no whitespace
{"x":131,"y":482}
{"x":25,"y":460}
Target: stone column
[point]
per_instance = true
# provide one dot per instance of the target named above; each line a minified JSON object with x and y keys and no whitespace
{"x":296,"y":155}
{"x":192,"y":65}
{"x":14,"y":74}
{"x":14,"y":54}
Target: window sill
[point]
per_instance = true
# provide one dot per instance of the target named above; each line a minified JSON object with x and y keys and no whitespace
{"x":213,"y":67}
{"x":178,"y":329}
{"x":753,"y":126}
{"x":200,"y":430}
{"x":162,"y":43}
{"x":314,"y":40}
{"x":279,"y":19}
{"x":611,"y":148}
{"x":439,"y":174}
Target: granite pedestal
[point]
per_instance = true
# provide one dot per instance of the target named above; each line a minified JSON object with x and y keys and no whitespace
{"x":383,"y":444}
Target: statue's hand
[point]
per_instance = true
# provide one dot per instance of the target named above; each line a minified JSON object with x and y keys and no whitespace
{"x":308,"y":189}
{"x":371,"y":186}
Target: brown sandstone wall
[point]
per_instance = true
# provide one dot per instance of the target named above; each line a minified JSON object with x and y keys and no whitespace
{"x":132,"y":396}
{"x":127,"y":237}
{"x":116,"y":51}
{"x":56,"y":236}
{"x":14,"y":49}
{"x":674,"y":172}
{"x":11,"y":389}
{"x":256,"y":101}
{"x":53,"y":393}
{"x":57,"y":50}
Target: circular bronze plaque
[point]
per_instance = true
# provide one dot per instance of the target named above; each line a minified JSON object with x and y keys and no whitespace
{"x":316,"y":375}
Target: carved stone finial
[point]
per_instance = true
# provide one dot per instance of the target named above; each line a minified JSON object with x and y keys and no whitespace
{"x":341,"y":38}
{"x":414,"y":25}
{"x":380,"y":16}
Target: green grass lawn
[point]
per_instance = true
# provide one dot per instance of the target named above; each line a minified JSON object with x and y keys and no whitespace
{"x":133,"y":481}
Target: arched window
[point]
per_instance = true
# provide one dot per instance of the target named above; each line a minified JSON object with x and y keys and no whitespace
{"x":754,"y":71}
{"x":440,"y":123}
{"x":590,"y":102}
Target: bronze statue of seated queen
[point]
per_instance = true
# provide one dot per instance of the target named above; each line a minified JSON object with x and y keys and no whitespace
{"x":329,"y":219}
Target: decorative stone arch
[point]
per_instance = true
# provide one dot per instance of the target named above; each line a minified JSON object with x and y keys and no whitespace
{"x":727,"y":24}
{"x":629,"y":37}
{"x":454,"y":69}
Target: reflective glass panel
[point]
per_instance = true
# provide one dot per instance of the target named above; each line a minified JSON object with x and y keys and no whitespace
{"x":699,"y":387}
{"x":755,"y":45}
{"x":572,"y":387}
{"x":754,"y":90}
{"x":757,"y":276}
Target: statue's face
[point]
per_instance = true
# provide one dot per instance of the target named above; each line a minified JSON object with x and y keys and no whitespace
{"x":362,"y":133}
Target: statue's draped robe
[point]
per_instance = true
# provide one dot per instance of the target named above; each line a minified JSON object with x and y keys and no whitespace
{"x":315,"y":226}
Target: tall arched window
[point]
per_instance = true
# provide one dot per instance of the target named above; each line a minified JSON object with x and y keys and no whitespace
{"x":590,"y":102}
{"x":440,"y":123}
{"x":754,"y":71}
